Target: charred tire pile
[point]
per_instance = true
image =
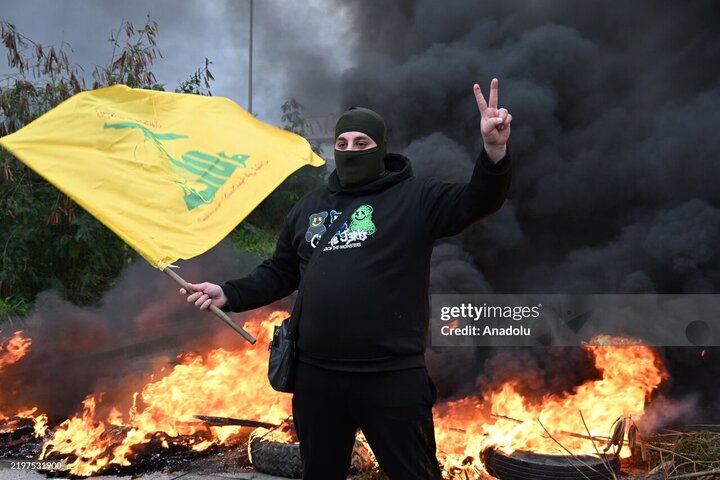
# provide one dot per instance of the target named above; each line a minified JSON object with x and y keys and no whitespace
{"x":536,"y":466}
{"x":275,"y":457}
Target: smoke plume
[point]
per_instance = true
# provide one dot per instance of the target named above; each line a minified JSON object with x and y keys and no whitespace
{"x":615,"y":156}
{"x":140,"y":325}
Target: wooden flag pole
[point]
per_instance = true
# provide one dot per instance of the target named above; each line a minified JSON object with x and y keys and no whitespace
{"x":213,"y":308}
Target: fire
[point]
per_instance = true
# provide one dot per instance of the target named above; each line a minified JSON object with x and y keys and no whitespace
{"x":506,"y":420}
{"x":12,"y":351}
{"x":85,"y":437}
{"x":220,"y":383}
{"x":233,"y":384}
{"x":40,"y":425}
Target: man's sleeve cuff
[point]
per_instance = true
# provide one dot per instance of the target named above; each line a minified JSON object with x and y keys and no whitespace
{"x":233,"y":298}
{"x":500,"y":168}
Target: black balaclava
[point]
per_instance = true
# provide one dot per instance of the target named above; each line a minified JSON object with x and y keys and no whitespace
{"x":356,"y":168}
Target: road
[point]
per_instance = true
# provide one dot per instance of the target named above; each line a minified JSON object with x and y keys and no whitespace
{"x":7,"y":472}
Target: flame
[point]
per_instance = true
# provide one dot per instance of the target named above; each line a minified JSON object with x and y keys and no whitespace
{"x":234,"y":384}
{"x":220,"y":383}
{"x":85,"y":437}
{"x":506,"y":420}
{"x":12,"y":351}
{"x":40,"y":425}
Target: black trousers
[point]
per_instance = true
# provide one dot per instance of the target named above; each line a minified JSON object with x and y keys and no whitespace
{"x":393,"y":409}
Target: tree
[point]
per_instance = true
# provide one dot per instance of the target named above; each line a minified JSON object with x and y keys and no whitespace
{"x":46,"y":240}
{"x":293,"y":117}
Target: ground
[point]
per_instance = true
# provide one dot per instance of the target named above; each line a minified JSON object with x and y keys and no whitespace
{"x":7,"y":474}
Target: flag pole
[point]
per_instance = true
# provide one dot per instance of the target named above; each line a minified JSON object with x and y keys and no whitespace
{"x":213,"y":308}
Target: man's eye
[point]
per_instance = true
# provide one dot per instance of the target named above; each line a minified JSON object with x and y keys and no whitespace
{"x":362,"y":144}
{"x":340,"y":146}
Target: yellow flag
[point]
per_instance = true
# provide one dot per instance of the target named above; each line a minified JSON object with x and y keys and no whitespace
{"x":172,"y":174}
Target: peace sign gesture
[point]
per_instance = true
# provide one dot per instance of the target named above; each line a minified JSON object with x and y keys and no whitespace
{"x":494,"y":122}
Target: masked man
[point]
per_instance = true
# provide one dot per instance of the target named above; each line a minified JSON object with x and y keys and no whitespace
{"x":364,"y":314}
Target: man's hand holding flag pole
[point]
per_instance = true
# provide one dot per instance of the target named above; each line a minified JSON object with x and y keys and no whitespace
{"x":171,"y":174}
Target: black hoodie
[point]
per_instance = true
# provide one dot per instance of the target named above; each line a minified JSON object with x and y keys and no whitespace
{"x":365,"y":305}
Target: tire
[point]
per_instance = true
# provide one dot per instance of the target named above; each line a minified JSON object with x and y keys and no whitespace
{"x":270,"y":454}
{"x":274,"y":457}
{"x":535,"y":466}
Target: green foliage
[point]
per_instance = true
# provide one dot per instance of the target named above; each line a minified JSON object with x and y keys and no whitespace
{"x":14,"y":306}
{"x":46,"y":240}
{"x":294,"y":121}
{"x":293,"y":116}
{"x":251,"y":239}
{"x":49,"y":242}
{"x":199,"y":82}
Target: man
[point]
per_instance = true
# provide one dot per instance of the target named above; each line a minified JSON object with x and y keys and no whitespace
{"x":364,"y":314}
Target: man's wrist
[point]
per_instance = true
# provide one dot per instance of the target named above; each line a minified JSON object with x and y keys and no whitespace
{"x":495,"y":153}
{"x":222,"y":301}
{"x":231,"y":298}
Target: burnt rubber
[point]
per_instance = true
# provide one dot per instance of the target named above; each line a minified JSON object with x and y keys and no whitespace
{"x":522,"y":465}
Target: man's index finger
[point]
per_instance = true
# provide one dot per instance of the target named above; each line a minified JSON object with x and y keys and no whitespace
{"x":482,"y":104}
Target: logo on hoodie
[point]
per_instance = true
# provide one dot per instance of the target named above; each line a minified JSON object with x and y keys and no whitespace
{"x":350,"y":235}
{"x":317,"y":226}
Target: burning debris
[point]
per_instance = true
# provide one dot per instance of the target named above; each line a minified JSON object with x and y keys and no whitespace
{"x":226,"y":383}
{"x":14,"y":349}
{"x":20,"y":431}
{"x":16,"y":431}
{"x":503,"y":421}
{"x":25,"y":425}
{"x":529,"y":465}
{"x":224,"y":421}
{"x":495,"y":431}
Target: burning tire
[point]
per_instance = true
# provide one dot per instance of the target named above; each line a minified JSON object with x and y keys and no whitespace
{"x":535,"y":466}
{"x":270,"y":453}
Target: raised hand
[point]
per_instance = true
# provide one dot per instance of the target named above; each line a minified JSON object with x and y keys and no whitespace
{"x":494,"y":122}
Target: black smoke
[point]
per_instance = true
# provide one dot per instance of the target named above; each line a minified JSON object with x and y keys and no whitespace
{"x":615,"y":110}
{"x":140,"y":326}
